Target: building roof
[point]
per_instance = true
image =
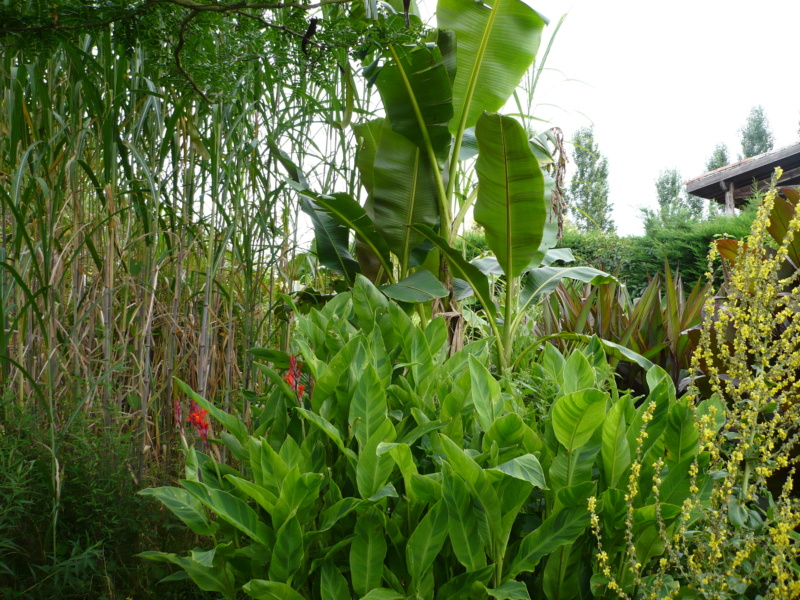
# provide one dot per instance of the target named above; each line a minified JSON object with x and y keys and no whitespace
{"x":744,"y":174}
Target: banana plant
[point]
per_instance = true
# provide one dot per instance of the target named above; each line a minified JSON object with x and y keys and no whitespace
{"x":513,"y":208}
{"x":433,"y":95}
{"x":439,"y":99}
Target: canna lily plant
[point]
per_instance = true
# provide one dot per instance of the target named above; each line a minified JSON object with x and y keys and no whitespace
{"x":404,"y":473}
{"x":440,"y":100}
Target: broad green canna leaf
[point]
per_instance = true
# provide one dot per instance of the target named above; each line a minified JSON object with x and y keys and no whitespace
{"x":232,"y":510}
{"x":510,"y":590}
{"x":333,"y":585}
{"x":462,"y":523}
{"x":383,"y":594}
{"x":401,"y":454}
{"x":524,"y":468}
{"x":372,"y":470}
{"x":562,"y":528}
{"x":287,"y":553}
{"x":426,"y":542}
{"x":577,"y":415}
{"x":486,"y":394}
{"x":367,"y":407}
{"x":681,"y":436}
{"x":339,"y":510}
{"x":207,"y":577}
{"x":477,"y":482}
{"x":420,"y":286}
{"x":263,"y":497}
{"x":328,"y":429}
{"x":231,"y":423}
{"x":577,"y":375}
{"x":261,"y":589}
{"x":185,"y":506}
{"x":615,"y":450}
{"x":367,"y":552}
{"x":462,"y":585}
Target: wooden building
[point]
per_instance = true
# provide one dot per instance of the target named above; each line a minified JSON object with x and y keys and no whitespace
{"x":733,"y":184}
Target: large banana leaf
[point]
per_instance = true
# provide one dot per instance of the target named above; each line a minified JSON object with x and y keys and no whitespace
{"x":416,"y":92}
{"x":421,"y":286}
{"x":495,"y":47}
{"x":332,"y":241}
{"x":404,"y":193}
{"x":463,"y":270}
{"x":511,"y":202}
{"x":369,"y":136}
{"x":349,"y":213}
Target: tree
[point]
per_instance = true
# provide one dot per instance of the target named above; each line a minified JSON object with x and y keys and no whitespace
{"x":719,"y":158}
{"x":673,"y":200}
{"x":668,"y":191}
{"x":206,"y":49}
{"x":757,"y":137}
{"x":588,"y":191}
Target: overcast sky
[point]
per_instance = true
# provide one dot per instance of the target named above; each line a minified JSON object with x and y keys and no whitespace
{"x":663,"y":83}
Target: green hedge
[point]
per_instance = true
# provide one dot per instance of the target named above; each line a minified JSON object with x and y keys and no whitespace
{"x":684,"y":245}
{"x":636,"y":259}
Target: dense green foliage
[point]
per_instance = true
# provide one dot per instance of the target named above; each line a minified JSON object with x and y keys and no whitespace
{"x":434,"y":469}
{"x":383,"y":410}
{"x":683,"y":244}
{"x":719,"y":158}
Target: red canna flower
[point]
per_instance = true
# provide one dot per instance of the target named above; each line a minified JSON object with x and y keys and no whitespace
{"x":293,"y":378}
{"x":198,"y":418}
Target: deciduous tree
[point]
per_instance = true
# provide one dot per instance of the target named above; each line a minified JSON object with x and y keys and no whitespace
{"x":588,"y":192}
{"x":756,"y":134}
{"x":719,"y":158}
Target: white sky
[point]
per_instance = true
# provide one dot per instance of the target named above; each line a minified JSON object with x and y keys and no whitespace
{"x":663,"y":83}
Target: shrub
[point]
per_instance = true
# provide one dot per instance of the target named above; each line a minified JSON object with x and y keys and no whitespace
{"x":637,"y":259}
